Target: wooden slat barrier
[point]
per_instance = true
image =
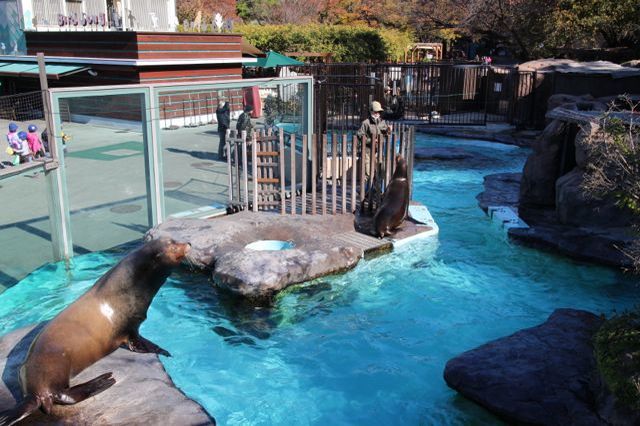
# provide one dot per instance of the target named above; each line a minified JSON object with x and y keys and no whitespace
{"x":334,"y":172}
{"x":268,"y":179}
{"x":304,"y":175}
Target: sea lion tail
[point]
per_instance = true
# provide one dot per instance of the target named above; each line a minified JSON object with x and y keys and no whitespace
{"x":30,"y":404}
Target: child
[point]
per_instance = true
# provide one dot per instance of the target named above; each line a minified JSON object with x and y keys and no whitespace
{"x":23,"y":151}
{"x":35,"y":144}
{"x":14,"y":143}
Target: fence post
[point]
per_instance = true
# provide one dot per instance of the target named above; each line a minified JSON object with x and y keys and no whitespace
{"x":292,"y":146}
{"x":334,"y":172}
{"x":254,"y":164}
{"x":314,"y":171}
{"x":227,"y":147}
{"x":245,"y":166}
{"x":324,"y":173}
{"x":304,"y":175}
{"x":354,"y":171}
{"x":283,"y":205}
{"x":343,"y":180}
{"x":411,"y":153}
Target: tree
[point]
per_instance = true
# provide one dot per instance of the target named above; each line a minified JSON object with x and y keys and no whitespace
{"x":188,"y":9}
{"x":592,"y":23}
{"x":614,"y":165}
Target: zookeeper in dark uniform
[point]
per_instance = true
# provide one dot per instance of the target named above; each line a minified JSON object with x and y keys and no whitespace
{"x":370,"y":128}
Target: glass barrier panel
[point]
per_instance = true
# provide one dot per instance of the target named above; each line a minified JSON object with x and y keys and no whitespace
{"x":104,"y":156}
{"x":25,"y":233}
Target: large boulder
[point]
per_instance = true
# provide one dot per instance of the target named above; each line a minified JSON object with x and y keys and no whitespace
{"x":544,"y":375}
{"x":537,"y":187}
{"x":573,"y":207}
{"x":142,"y":395}
{"x":220,"y":246}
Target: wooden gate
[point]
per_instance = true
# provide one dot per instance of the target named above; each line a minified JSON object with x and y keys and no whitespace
{"x":294,"y":174}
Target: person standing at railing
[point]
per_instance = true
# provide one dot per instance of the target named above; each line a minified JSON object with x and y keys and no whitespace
{"x":35,"y":144}
{"x":244,"y":124}
{"x":370,"y":129}
{"x":23,"y":150}
{"x":223,"y":115}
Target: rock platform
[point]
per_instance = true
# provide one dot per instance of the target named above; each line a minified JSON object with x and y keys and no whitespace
{"x":323,"y":245}
{"x":143,"y":393}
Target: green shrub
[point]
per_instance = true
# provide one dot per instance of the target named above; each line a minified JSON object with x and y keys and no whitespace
{"x":345,"y":43}
{"x":617,"y":348}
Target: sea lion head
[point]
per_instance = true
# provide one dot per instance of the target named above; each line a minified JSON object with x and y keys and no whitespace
{"x":170,"y":252}
{"x":401,"y":168}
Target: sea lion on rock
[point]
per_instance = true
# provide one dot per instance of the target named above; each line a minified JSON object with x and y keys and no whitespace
{"x":107,"y":316}
{"x":395,"y":202}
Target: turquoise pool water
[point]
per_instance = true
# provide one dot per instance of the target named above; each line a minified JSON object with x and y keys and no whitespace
{"x":365,"y":348}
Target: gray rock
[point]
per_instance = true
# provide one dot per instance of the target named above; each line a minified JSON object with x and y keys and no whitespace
{"x":500,"y":189}
{"x":142,"y":395}
{"x":574,"y":208}
{"x":544,"y":375}
{"x":219,"y":246}
{"x":598,"y":245}
{"x":542,"y":168}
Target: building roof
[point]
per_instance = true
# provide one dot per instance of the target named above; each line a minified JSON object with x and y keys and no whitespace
{"x":25,"y":69}
{"x":275,"y":59}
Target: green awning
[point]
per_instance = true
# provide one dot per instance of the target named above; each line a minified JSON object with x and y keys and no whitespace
{"x":275,"y":59}
{"x":30,"y":69}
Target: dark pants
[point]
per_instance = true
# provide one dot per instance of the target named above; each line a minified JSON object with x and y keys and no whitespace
{"x":222,"y":133}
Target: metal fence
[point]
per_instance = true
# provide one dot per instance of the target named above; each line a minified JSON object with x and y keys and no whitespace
{"x":432,"y":93}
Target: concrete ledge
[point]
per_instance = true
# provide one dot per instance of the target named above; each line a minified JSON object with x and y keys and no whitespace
{"x":143,"y":393}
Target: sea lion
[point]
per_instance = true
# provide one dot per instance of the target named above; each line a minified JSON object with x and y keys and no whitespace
{"x":107,"y":316}
{"x":395,"y":202}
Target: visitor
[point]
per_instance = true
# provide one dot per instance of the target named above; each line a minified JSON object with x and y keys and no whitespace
{"x":393,"y":105}
{"x":244,"y":121}
{"x":223,"y":115}
{"x":370,"y":129}
{"x":23,"y":150}
{"x":35,"y":143}
{"x":13,"y":141}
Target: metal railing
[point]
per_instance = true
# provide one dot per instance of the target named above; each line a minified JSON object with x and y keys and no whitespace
{"x":437,"y":93}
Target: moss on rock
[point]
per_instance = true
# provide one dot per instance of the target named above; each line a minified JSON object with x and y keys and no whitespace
{"x":617,"y":350}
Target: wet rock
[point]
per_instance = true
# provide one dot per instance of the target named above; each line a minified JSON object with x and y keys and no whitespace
{"x":500,"y":189}
{"x":598,"y":245}
{"x":544,"y":375}
{"x":142,"y":395}
{"x":442,"y":154}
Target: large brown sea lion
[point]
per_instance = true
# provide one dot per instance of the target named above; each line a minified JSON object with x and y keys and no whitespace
{"x":395,"y":202}
{"x":107,"y":316}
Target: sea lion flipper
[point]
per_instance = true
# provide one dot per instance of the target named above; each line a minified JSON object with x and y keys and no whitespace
{"x":80,"y":392}
{"x":141,"y":345}
{"x":30,"y":404}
